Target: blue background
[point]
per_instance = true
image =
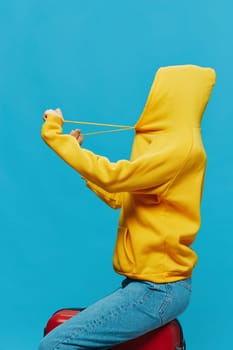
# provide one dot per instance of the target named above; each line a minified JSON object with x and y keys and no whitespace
{"x":96,"y":60}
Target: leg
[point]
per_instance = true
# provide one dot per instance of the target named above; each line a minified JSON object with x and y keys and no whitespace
{"x":134,"y":309}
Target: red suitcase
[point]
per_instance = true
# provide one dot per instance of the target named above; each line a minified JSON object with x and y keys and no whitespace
{"x":168,"y":337}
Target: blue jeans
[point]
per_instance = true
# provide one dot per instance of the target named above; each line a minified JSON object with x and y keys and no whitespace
{"x":132,"y":310}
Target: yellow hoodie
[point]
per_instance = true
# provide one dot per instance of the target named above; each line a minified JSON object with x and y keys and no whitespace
{"x":159,"y":189}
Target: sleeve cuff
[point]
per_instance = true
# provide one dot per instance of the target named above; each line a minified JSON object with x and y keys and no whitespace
{"x":55,"y":118}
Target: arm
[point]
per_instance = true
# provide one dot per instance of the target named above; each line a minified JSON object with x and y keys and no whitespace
{"x":114,"y":200}
{"x":149,"y":173}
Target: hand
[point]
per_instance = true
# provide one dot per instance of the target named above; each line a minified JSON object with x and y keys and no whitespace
{"x":77,"y":135}
{"x":56,"y":112}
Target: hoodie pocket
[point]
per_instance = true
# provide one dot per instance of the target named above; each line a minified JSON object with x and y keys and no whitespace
{"x":123,"y":258}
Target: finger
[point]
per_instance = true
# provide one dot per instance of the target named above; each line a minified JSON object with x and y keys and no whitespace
{"x":77,"y":131}
{"x":58,"y":110}
{"x":80,"y":140}
{"x":53,"y":111}
{"x":75,"y":134}
{"x":50,"y":111}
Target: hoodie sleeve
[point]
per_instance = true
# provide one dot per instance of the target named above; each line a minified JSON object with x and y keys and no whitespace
{"x":114,"y":200}
{"x":149,"y":173}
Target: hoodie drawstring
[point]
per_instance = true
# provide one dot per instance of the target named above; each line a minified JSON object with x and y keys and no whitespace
{"x":119,"y":127}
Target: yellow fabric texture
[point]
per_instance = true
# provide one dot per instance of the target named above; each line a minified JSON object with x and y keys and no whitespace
{"x":159,"y":189}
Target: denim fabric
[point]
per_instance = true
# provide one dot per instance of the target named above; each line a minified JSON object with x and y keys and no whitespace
{"x":132,"y":310}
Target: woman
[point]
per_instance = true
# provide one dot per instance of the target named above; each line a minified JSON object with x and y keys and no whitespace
{"x":159,"y":192}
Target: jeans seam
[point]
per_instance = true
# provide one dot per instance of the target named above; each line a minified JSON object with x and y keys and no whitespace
{"x":89,"y":328}
{"x":155,"y":303}
{"x":166,"y":301}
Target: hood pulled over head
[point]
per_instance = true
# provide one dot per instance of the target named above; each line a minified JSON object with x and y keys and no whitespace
{"x":177,"y":99}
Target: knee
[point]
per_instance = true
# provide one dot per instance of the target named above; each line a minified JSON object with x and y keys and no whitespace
{"x":45,"y":344}
{"x":52,"y":343}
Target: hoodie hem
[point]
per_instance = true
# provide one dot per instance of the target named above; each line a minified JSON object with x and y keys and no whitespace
{"x":156,"y":278}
